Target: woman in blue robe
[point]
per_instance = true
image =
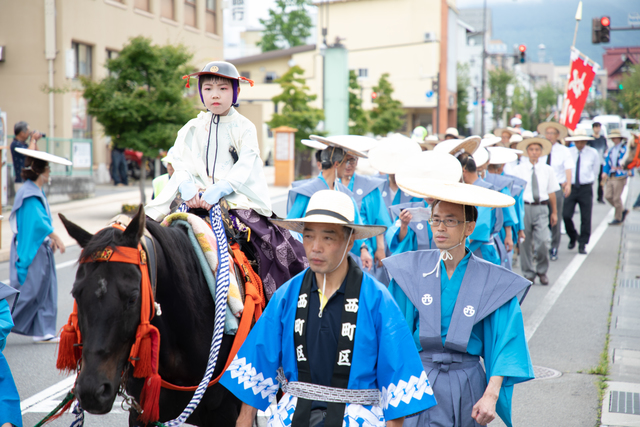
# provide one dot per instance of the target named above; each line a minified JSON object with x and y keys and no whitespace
{"x":32,"y":266}
{"x":10,"y":414}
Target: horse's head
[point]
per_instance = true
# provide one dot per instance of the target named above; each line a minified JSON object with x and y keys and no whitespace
{"x":108,"y":298}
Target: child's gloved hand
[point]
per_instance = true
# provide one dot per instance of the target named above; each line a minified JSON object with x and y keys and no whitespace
{"x":214,"y":193}
{"x":187,"y":190}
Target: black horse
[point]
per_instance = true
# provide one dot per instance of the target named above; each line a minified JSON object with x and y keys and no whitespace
{"x":108,"y":299}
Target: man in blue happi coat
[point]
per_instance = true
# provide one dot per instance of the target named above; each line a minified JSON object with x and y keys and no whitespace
{"x":332,"y":338}
{"x":462,"y":309}
{"x":335,"y":158}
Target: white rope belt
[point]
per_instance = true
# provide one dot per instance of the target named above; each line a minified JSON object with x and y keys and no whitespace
{"x":323,"y":393}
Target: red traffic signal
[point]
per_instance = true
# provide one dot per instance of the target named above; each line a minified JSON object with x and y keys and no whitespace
{"x":522,"y":48}
{"x":374,"y":95}
{"x":605,"y":21}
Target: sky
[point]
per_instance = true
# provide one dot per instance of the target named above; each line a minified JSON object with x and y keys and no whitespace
{"x":552,"y":23}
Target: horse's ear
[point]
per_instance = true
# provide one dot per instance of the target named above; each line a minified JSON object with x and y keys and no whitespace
{"x":80,"y":235}
{"x":135,"y":229}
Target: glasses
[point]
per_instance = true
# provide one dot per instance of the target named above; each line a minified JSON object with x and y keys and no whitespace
{"x":352,"y":161}
{"x":448,"y":222}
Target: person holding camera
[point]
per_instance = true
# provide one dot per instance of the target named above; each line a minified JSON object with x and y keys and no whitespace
{"x":22,"y":134}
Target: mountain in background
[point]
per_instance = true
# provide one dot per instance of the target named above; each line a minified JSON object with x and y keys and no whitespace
{"x":552,"y":23}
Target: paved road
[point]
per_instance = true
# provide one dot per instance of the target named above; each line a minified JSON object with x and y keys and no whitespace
{"x":566,"y":323}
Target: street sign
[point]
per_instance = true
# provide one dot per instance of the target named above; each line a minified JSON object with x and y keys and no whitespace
{"x":429,"y":94}
{"x":634,"y":19}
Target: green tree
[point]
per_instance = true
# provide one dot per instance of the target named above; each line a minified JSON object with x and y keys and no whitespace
{"x":141,"y":103}
{"x":630,"y":93}
{"x":288,"y":25}
{"x":358,"y":117}
{"x":499,"y":79}
{"x":387,"y":113}
{"x":296,"y":111}
{"x":463,"y":84}
{"x":522,"y":103}
{"x":546,"y":102}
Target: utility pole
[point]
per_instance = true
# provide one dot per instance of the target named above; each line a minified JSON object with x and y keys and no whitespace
{"x":484,"y":51}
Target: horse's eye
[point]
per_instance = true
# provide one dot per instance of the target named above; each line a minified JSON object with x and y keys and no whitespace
{"x":132,"y":300}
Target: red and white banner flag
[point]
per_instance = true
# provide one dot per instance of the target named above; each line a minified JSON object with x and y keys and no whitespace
{"x":581,"y":76}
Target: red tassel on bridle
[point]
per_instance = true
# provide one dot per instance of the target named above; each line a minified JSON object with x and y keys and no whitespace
{"x":69,"y":350}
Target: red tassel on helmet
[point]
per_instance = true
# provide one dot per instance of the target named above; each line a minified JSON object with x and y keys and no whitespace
{"x":186,"y":77}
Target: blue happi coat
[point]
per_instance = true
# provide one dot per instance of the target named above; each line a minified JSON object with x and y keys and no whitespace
{"x":457,"y":320}
{"x":386,"y":359}
{"x":504,"y":184}
{"x":32,"y":266}
{"x":481,"y":241}
{"x":373,"y":211}
{"x":400,"y":196}
{"x":300,"y":194}
{"x":419,"y":235}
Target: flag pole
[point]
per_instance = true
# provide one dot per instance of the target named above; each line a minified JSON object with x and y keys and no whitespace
{"x":578,"y":19}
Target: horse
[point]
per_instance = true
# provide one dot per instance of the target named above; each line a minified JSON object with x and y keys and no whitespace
{"x":108,"y":298}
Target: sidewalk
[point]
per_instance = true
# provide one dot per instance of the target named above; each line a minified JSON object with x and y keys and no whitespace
{"x":621,"y":403}
{"x":93,"y":213}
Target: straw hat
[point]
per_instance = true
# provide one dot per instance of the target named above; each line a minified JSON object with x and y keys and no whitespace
{"x":498,"y":131}
{"x":314,"y":144}
{"x":515,"y":121}
{"x":579,"y":135}
{"x":391,"y":154}
{"x":458,"y":146}
{"x":616,"y":134}
{"x":169,"y":157}
{"x":527,"y":134}
{"x":481,"y":157}
{"x":501,"y":155}
{"x":489,"y":140}
{"x":515,"y":138}
{"x":433,"y":165}
{"x":557,"y":126}
{"x":546,"y":145}
{"x":331,"y":207}
{"x":453,"y":192}
{"x":42,"y":155}
{"x":452,"y":132}
{"x":353,"y":144}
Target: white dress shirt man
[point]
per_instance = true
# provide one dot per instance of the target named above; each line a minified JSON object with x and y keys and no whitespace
{"x":586,"y":169}
{"x":560,"y":160}
{"x":538,"y":195}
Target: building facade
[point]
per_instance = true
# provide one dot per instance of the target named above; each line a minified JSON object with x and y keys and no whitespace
{"x":65,"y":39}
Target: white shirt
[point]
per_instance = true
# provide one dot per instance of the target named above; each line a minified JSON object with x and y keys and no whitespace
{"x":547,"y":182}
{"x":509,"y":167}
{"x":560,"y":161}
{"x":589,"y":165}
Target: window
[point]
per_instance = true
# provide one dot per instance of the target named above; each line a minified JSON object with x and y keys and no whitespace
{"x":112,"y":54}
{"x":270,"y":77}
{"x":363,"y":73}
{"x":143,"y":5}
{"x":211,"y":17}
{"x":190,"y":14}
{"x":82,"y":58}
{"x":167,"y":10}
{"x":245,"y":74}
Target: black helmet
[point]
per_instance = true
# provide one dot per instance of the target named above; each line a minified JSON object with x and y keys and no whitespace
{"x":222,"y":69}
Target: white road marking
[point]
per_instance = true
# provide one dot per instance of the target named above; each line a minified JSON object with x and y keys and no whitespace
{"x":534,"y":321}
{"x":63,"y":386}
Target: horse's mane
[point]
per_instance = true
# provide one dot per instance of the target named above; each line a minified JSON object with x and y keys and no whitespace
{"x":175,"y":244}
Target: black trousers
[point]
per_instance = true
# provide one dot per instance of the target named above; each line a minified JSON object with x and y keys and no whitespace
{"x":600,"y":186}
{"x":581,"y":195}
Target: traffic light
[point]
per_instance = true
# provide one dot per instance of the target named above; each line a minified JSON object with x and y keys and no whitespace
{"x":596,"y":26}
{"x":374,"y":95}
{"x":605,"y":24}
{"x":522,"y":48}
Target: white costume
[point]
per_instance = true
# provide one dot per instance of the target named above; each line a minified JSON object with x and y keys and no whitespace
{"x":246,"y":176}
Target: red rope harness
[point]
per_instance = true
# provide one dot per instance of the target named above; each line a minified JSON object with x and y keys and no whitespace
{"x":144,"y":354}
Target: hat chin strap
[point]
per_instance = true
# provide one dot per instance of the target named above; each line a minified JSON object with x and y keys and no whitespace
{"x":445,"y":255}
{"x":324,"y":280}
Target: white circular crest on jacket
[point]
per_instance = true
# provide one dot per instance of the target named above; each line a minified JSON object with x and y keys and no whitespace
{"x":469,"y":311}
{"x":427,"y":299}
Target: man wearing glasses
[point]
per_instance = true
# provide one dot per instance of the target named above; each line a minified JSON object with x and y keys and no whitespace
{"x":461,"y":309}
